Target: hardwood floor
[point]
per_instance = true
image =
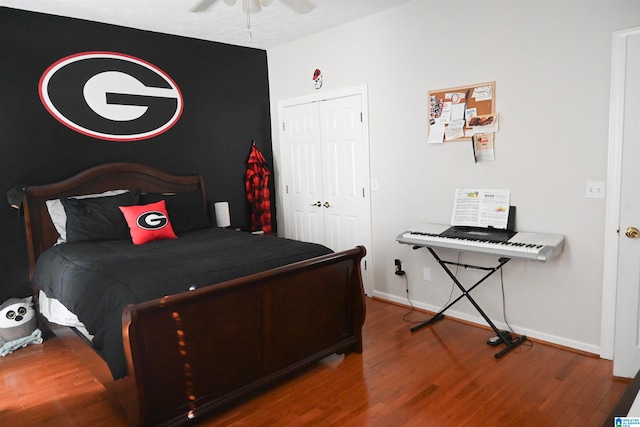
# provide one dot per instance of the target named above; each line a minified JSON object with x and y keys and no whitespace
{"x":442,"y":375}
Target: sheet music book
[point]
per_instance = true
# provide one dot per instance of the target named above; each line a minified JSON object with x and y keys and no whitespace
{"x":481,"y":208}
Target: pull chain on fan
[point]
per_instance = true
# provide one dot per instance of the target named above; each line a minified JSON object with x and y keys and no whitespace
{"x":249,"y":7}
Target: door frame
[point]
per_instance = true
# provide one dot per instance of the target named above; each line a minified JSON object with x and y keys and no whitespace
{"x":361,"y":90}
{"x":614,"y":177}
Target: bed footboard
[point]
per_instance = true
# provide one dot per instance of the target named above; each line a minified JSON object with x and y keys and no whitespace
{"x":194,"y":352}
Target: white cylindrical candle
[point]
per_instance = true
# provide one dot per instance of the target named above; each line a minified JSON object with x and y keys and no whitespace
{"x":223,"y":219}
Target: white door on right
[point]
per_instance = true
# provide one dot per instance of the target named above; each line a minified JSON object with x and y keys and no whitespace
{"x":626,"y":360}
{"x":343,"y":185}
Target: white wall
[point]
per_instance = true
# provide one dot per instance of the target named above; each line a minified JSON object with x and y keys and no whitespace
{"x":551,"y":62}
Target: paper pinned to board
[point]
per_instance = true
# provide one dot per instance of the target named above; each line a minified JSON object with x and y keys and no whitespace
{"x":436,"y":133}
{"x":485,"y":123}
{"x":482,"y":144}
{"x":482,"y":93}
{"x":455,"y":130}
{"x":458,"y":111}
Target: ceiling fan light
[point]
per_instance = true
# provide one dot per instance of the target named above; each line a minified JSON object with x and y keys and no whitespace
{"x":230,"y":2}
{"x":266,"y":3}
{"x":251,"y":6}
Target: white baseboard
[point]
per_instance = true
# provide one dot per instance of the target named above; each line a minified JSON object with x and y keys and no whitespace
{"x":478,"y":320}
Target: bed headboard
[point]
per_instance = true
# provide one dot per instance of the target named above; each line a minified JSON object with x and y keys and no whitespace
{"x":41,"y":234}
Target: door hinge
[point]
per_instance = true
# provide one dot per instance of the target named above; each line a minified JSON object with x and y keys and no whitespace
{"x":286,"y":188}
{"x":365,"y":264}
{"x":283,"y":127}
{"x":360,"y":116}
{"x":363,"y":192}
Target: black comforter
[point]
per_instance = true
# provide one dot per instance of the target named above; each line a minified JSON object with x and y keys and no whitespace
{"x":96,"y":280}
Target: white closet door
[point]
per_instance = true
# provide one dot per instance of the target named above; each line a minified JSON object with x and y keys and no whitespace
{"x":302,"y":171}
{"x":343,"y":186}
{"x":324,"y":173}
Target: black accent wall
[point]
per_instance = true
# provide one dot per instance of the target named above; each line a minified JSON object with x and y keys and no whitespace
{"x":226,"y":105}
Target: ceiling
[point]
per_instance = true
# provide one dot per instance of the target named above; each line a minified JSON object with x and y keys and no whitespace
{"x":275,"y":25}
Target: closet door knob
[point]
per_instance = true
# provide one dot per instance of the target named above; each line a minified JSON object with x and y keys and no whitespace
{"x":327,"y":205}
{"x":318,"y":204}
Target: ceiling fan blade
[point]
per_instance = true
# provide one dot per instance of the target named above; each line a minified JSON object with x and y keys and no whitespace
{"x":230,"y":2}
{"x":266,"y":3}
{"x":203,"y":5}
{"x":299,"y":6}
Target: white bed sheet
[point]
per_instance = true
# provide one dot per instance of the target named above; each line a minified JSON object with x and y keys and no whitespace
{"x":56,"y":312}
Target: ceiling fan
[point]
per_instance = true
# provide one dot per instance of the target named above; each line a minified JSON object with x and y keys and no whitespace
{"x":250,"y":7}
{"x":255,"y":6}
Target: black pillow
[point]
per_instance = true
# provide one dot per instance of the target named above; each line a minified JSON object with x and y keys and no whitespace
{"x":186,"y":211}
{"x":98,"y":218}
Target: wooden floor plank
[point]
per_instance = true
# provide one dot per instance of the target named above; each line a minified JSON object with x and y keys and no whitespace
{"x":444,"y":374}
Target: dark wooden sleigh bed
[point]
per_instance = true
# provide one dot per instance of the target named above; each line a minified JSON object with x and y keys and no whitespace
{"x":194,"y":352}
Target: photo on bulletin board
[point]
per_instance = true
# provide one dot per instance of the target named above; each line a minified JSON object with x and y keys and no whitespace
{"x":456,"y":114}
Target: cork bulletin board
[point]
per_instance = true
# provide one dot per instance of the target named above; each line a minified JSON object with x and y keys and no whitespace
{"x":458,"y":113}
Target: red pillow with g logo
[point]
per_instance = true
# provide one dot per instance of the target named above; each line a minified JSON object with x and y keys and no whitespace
{"x":148,"y":222}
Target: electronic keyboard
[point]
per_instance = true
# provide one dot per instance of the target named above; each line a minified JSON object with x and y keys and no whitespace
{"x":530,"y":246}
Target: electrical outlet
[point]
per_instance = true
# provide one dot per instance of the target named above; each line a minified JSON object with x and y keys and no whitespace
{"x":426,"y":274}
{"x":399,"y":271}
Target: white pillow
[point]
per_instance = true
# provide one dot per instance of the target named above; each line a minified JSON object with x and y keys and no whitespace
{"x":59,"y":216}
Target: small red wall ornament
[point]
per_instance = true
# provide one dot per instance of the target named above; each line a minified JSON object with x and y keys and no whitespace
{"x":317,"y":79}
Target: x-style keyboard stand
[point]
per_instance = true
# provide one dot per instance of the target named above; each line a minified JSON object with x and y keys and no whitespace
{"x":505,"y":338}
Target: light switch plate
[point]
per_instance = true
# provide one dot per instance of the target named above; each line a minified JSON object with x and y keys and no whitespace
{"x":595,"y":190}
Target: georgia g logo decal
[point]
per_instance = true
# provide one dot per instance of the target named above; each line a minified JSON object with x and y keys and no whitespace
{"x":111,"y":96}
{"x":152,"y":220}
